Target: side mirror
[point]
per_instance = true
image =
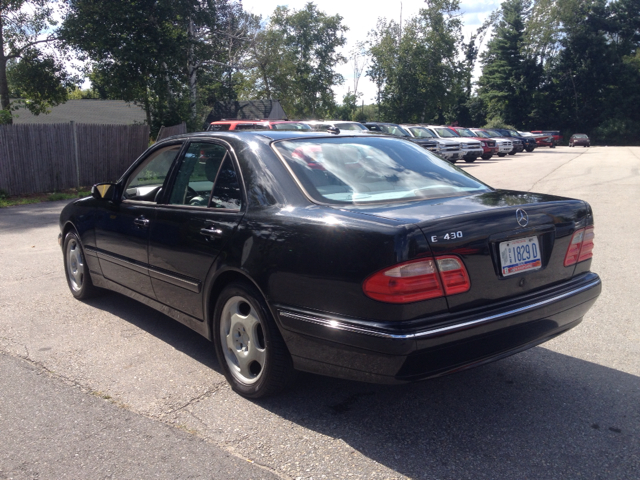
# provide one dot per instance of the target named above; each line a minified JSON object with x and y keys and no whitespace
{"x":104,"y":191}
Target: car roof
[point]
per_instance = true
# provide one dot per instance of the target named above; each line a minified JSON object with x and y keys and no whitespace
{"x":248,"y":134}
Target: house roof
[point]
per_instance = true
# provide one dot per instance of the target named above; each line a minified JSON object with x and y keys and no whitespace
{"x":113,"y":112}
{"x":246,"y":110}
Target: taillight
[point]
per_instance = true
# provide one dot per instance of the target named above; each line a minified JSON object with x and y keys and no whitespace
{"x":418,"y":280}
{"x":580,"y":247}
{"x":453,"y":275}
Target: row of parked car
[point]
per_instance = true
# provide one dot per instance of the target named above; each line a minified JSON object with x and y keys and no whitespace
{"x":452,"y":143}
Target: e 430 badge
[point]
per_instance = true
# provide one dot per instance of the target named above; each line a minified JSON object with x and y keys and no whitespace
{"x":447,"y":236}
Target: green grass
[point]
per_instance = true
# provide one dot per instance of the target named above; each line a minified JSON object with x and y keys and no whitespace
{"x":12,"y":201}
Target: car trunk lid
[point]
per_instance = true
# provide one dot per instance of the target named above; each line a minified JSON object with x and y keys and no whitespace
{"x":473,"y":227}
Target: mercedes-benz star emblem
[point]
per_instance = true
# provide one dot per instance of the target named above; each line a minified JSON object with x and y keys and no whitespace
{"x":522,"y":217}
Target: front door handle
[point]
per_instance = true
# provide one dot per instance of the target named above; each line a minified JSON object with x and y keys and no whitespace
{"x":211,"y":232}
{"x":141,"y":222}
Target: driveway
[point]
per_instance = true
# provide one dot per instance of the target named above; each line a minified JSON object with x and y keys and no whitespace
{"x":567,"y":409}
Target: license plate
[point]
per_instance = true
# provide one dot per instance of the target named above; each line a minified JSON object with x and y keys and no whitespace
{"x":517,"y":256}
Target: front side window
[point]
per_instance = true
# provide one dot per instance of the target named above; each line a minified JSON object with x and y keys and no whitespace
{"x":146,"y":181}
{"x":372,"y":169}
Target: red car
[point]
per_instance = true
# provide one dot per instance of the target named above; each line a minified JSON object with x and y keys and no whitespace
{"x":489,"y":145}
{"x":223,"y":125}
{"x":551,"y":138}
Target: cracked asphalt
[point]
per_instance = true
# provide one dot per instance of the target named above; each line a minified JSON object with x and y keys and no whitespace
{"x":110,"y":388}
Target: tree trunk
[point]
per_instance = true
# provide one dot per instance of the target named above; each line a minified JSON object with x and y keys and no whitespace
{"x":192,"y":71}
{"x":4,"y":84}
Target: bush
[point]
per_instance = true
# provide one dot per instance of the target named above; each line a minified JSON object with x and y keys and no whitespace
{"x":5,"y":117}
{"x":616,"y":132}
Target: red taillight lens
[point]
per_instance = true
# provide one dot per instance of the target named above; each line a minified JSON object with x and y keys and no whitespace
{"x":453,"y":275}
{"x":418,"y":280}
{"x":581,"y":246}
{"x":405,"y":283}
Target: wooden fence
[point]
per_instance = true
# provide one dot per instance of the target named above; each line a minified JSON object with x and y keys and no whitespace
{"x":37,"y":158}
{"x":169,"y":131}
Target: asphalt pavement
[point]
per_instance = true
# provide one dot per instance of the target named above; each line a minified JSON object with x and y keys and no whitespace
{"x":567,"y":409}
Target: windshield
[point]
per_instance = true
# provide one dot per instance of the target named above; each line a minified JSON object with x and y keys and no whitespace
{"x":513,"y":133}
{"x":421,"y":132}
{"x":372,"y":169}
{"x":580,"y":135}
{"x":482,"y":134}
{"x":465,"y":132}
{"x":396,"y":130}
{"x":494,"y":133}
{"x":351,"y":126}
{"x":290,"y":126}
{"x":446,"y":132}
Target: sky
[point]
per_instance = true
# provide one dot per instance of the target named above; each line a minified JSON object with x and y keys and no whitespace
{"x":362,"y":16}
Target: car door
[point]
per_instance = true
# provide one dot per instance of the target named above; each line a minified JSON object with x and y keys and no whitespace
{"x":197,"y":218}
{"x":122,"y":229}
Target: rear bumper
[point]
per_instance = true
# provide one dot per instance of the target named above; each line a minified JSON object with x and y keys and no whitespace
{"x":407,"y":351}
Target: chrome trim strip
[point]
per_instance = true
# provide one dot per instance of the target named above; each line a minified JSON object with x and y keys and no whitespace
{"x":123,"y":263}
{"x":173,"y":280}
{"x":338,"y":325}
{"x":341,"y":325}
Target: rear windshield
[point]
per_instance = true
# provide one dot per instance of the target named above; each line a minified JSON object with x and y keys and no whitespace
{"x":373,"y":170}
{"x":580,"y":135}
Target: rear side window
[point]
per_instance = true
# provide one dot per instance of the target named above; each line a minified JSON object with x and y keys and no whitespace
{"x":219,"y":127}
{"x":251,"y":126}
{"x":372,"y":170}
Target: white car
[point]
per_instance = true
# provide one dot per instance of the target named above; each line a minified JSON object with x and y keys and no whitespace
{"x":343,"y":125}
{"x":448,"y":149}
{"x":471,"y":149}
{"x":504,"y":145}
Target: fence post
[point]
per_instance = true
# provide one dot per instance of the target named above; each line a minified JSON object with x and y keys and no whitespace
{"x":75,"y":148}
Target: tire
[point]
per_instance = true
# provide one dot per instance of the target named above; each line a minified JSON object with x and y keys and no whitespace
{"x":487,"y":157}
{"x":76,"y":269}
{"x":512,"y":153}
{"x":470,"y":160}
{"x":248,"y":344}
{"x":530,"y":149}
{"x":502,"y":155}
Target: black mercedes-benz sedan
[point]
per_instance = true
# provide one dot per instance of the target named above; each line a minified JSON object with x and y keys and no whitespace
{"x":363,"y":257}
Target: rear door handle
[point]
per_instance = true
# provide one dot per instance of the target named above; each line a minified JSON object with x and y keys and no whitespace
{"x":211,"y":232}
{"x":141,"y":222}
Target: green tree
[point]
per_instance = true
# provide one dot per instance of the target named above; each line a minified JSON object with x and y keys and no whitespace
{"x":416,"y":68}
{"x":510,"y":77}
{"x":24,"y":26}
{"x":156,"y":53}
{"x":293,"y":59}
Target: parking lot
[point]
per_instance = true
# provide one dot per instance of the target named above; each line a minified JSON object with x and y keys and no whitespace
{"x":567,"y":409}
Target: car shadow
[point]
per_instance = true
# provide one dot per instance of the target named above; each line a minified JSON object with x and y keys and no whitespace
{"x":538,"y":414}
{"x":159,"y":325}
